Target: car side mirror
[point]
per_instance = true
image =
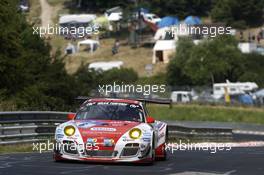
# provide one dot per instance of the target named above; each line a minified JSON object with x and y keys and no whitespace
{"x":70,"y":116}
{"x":150,"y":120}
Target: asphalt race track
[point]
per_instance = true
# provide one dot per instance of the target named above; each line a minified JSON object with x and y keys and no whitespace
{"x":248,"y":161}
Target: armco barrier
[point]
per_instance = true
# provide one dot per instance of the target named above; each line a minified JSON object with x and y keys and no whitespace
{"x":35,"y":126}
{"x":177,"y":131}
{"x":28,"y":126}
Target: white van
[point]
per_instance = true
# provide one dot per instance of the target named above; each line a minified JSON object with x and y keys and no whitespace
{"x":181,"y":96}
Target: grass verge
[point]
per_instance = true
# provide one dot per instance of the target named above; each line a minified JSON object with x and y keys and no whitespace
{"x":207,"y":113}
{"x":16,"y":148}
{"x":136,"y":59}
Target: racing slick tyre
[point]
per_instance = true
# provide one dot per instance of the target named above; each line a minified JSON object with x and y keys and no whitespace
{"x":153,"y":152}
{"x":56,"y":158}
{"x":164,"y":147}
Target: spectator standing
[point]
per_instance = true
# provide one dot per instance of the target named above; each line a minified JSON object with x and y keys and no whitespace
{"x":115,"y":47}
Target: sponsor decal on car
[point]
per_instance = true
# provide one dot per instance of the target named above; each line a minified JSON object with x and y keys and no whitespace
{"x":128,"y":140}
{"x":103,"y":129}
{"x":147,"y":134}
{"x":59,"y":136}
{"x":109,"y":142}
{"x":159,"y":125}
{"x":59,"y":131}
{"x":146,"y":139}
{"x":92,"y":141}
{"x":112,"y":103}
{"x":88,"y":124}
{"x":161,"y":135}
{"x":72,"y":137}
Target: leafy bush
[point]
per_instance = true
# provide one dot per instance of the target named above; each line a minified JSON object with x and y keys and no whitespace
{"x":238,"y":13}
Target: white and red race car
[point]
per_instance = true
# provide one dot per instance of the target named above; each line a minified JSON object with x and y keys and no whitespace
{"x":111,"y":130}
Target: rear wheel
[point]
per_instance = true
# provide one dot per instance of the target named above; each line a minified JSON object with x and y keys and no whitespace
{"x":164,"y":147}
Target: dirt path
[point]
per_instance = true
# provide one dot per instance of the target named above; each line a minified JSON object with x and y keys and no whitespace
{"x":46,"y":13}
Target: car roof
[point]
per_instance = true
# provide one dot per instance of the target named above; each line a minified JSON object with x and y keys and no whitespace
{"x":117,"y":100}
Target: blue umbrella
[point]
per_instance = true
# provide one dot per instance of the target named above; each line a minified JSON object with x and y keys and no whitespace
{"x":192,"y":20}
{"x":168,"y":21}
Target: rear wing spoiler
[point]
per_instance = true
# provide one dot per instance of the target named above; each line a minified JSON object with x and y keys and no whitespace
{"x":143,"y":100}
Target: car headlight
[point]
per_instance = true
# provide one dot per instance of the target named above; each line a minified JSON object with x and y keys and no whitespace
{"x":69,"y":130}
{"x":135,"y":133}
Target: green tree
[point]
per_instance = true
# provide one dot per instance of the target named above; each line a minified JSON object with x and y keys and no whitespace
{"x":175,"y":73}
{"x":238,"y":13}
{"x":87,"y":80}
{"x":253,"y":69}
{"x":181,"y":8}
{"x":211,"y":61}
{"x":29,"y":75}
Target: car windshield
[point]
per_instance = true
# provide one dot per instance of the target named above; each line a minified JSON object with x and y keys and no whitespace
{"x":111,"y":111}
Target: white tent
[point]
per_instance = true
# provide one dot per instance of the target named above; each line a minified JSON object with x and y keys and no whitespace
{"x":114,"y":16}
{"x":82,"y":18}
{"x":161,"y":33}
{"x":104,"y":66}
{"x":92,"y":43}
{"x":175,"y":31}
{"x":162,"y":50}
{"x":247,"y":47}
{"x":259,"y":93}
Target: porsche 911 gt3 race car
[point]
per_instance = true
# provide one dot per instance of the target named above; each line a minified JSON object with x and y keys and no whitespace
{"x":111,"y":130}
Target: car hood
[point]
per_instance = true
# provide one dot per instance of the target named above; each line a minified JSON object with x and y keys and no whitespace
{"x":101,"y":129}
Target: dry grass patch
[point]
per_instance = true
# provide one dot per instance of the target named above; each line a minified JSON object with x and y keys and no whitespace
{"x":133,"y":58}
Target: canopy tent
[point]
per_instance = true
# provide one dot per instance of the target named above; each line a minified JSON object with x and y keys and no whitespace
{"x":162,"y":50}
{"x":245,"y":99}
{"x":116,"y":9}
{"x":168,"y":21}
{"x":83,"y":18}
{"x":115,"y":16}
{"x":173,"y":31}
{"x":92,"y":43}
{"x":192,"y":20}
{"x":259,"y":96}
{"x":161,"y":33}
{"x":259,"y":93}
{"x":104,"y":66}
{"x":247,"y":47}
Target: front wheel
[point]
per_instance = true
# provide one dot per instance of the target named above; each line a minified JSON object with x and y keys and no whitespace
{"x":164,"y":148}
{"x":152,"y":151}
{"x":166,"y":141}
{"x":57,"y":158}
